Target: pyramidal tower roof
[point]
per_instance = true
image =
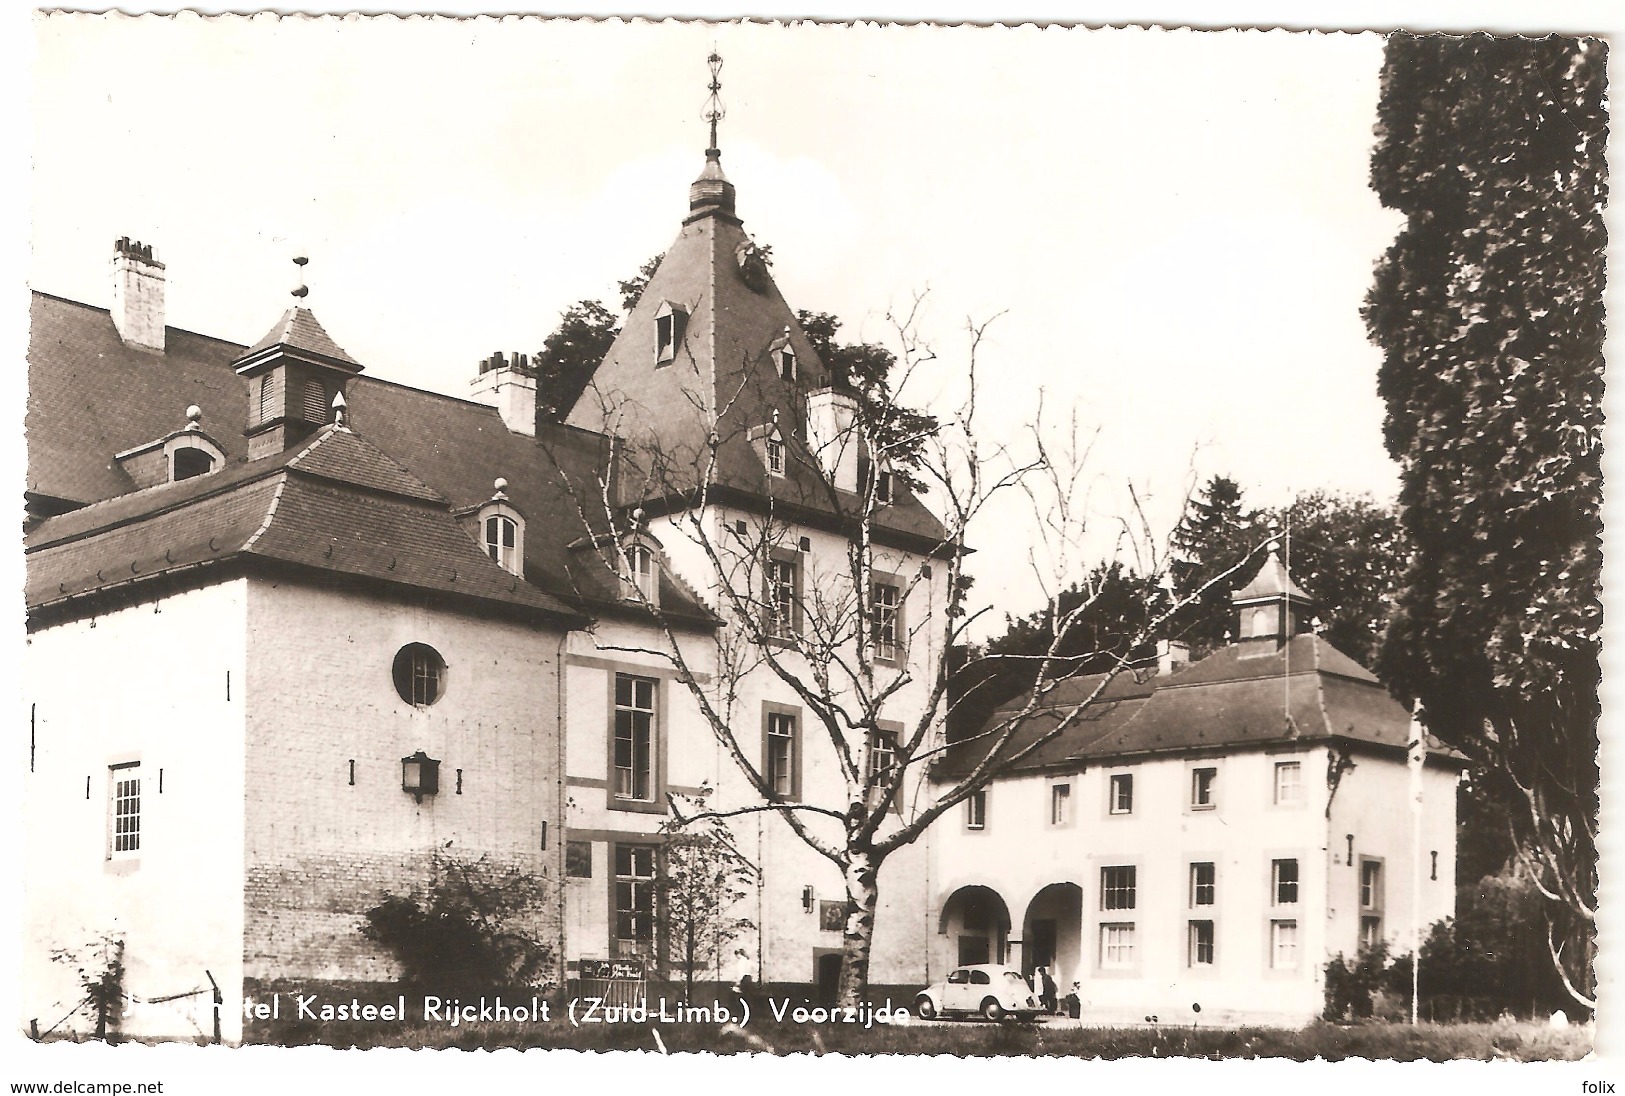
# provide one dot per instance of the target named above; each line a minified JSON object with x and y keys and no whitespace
{"x":1272,"y":582}
{"x":299,"y":330}
{"x":697,"y":352}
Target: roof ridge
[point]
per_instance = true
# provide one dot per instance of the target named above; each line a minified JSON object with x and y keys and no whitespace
{"x":216,"y":488}
{"x":168,"y":326}
{"x":270,"y":515}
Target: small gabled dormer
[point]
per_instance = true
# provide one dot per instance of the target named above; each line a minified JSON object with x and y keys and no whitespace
{"x":671,"y":325}
{"x":184,"y":454}
{"x":294,"y":374}
{"x":502,"y":530}
{"x":770,"y":447}
{"x":639,"y":561}
{"x":783,"y":356}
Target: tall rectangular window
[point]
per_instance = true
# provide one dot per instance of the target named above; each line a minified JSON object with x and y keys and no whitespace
{"x":883,"y":746}
{"x":775,"y":456}
{"x":782,"y":755}
{"x":783,"y":580}
{"x":634,"y":737}
{"x":1284,"y":882}
{"x":1117,"y":887}
{"x":1204,"y":883}
{"x":1284,"y":945}
{"x":124,"y":810}
{"x":1117,"y":945}
{"x":1203,"y":781}
{"x":1060,"y":804}
{"x":885,"y":627}
{"x":1122,"y":793}
{"x":976,"y":810}
{"x":502,"y":542}
{"x":1200,"y":946}
{"x":1370,"y":884}
{"x":1288,"y":783}
{"x":634,"y":901}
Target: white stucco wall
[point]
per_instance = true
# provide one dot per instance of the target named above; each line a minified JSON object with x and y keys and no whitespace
{"x":1019,"y":854}
{"x":320,"y":849}
{"x":794,"y":937}
{"x":146,"y":683}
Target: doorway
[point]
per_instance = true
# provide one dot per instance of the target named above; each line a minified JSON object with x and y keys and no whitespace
{"x":826,"y":976}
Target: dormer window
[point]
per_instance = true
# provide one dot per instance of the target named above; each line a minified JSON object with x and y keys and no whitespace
{"x":640,"y":574}
{"x":502,"y":531}
{"x":775,"y":456}
{"x":502,"y":541}
{"x":884,"y":485}
{"x":671,"y":323}
{"x":190,"y":461}
{"x":784,"y":360}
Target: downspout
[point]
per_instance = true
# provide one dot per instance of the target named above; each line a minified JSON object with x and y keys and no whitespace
{"x":560,"y":733}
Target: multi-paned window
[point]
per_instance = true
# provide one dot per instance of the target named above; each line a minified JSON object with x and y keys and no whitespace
{"x":640,"y":573}
{"x":1122,"y":793}
{"x":635,"y":886}
{"x":1117,"y":945}
{"x":976,"y":810}
{"x":886,"y":625}
{"x":883,"y":746}
{"x":420,"y":674}
{"x":1204,"y":783}
{"x":781,"y":595}
{"x":1117,"y":886}
{"x":1284,"y":945}
{"x":1204,"y":883}
{"x":634,"y":737}
{"x":1284,"y":882}
{"x":782,"y":755}
{"x":1060,"y":804}
{"x":775,"y":456}
{"x":1371,"y":901}
{"x":502,"y":541}
{"x":124,"y":810}
{"x":1288,"y":783}
{"x":1200,"y":946}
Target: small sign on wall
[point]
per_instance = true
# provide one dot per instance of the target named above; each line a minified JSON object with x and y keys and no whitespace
{"x":831,"y":916}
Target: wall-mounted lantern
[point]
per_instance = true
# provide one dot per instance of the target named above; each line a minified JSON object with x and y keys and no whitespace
{"x":807,"y":899}
{"x":420,"y":775}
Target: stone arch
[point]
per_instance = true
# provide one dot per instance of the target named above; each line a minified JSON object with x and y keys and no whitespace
{"x":976,"y":920}
{"x":1052,"y":934}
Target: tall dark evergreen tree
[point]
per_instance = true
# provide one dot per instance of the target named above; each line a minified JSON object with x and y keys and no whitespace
{"x":1489,"y":311}
{"x":1216,"y":535}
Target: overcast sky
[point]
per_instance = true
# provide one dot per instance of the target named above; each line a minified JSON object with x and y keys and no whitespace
{"x":1174,"y":229}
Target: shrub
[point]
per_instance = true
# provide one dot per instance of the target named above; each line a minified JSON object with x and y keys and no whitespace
{"x":473,"y":926}
{"x":1350,"y":985}
{"x":99,"y":967}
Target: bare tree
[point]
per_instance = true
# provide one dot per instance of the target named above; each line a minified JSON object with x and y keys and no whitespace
{"x":873,"y":678}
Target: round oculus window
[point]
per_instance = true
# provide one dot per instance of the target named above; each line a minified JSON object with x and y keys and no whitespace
{"x":420,"y":674}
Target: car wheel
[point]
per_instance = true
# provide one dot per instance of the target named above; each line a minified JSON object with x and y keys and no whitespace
{"x":992,"y":1009}
{"x":925,"y":1009}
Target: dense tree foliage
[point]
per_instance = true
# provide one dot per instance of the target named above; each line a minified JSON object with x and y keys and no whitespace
{"x":1489,"y":311}
{"x":1346,"y":552}
{"x":1117,"y":605}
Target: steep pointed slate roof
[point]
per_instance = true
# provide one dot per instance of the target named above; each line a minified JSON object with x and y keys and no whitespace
{"x":722,"y":374}
{"x":1272,"y":581}
{"x":300,"y":330}
{"x":337,"y":505}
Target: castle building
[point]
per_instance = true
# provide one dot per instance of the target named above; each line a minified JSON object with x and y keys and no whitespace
{"x":340,"y":627}
{"x":1204,"y":839}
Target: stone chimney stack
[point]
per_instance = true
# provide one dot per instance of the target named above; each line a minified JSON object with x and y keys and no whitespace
{"x":507,"y":382}
{"x":138,"y":294}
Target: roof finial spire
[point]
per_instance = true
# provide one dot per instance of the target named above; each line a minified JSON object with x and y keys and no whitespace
{"x":301,"y":291}
{"x":713,"y":105}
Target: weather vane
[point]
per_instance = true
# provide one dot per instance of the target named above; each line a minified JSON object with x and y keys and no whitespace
{"x":713,"y":105}
{"x":301,"y":290}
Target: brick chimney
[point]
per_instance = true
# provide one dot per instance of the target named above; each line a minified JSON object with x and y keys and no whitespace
{"x":138,"y":294}
{"x":508,"y":383}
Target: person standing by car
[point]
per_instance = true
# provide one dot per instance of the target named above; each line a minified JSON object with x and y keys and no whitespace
{"x":1044,"y":985}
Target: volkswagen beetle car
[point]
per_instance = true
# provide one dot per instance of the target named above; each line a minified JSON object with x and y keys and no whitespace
{"x":988,"y":989}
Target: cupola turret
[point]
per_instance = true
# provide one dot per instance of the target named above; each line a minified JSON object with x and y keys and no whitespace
{"x":1270,"y":609}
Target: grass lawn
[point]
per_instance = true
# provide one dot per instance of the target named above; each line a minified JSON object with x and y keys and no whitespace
{"x":1520,"y":1041}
